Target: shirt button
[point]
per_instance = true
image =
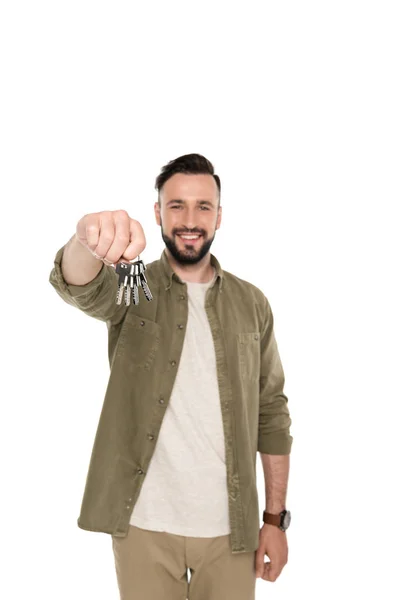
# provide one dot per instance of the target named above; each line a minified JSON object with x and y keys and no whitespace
{"x":140,"y":471}
{"x":142,"y":323}
{"x":181,"y":297}
{"x":150,"y":437}
{"x":173,"y":363}
{"x":256,"y":337}
{"x":161,"y":400}
{"x":180,"y":326}
{"x":128,"y":506}
{"x":129,"y":499}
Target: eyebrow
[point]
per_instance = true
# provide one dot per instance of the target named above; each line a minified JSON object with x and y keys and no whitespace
{"x":179,"y":201}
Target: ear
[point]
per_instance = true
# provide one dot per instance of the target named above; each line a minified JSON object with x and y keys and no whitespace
{"x":157,"y":213}
{"x":217,"y":226}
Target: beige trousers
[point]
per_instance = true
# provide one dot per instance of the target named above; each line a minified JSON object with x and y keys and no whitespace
{"x":152,"y":565}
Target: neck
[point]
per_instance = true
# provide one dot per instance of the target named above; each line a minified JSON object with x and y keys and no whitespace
{"x":201,"y":272}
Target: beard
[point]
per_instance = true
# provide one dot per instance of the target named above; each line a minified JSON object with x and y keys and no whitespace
{"x":190,"y":255}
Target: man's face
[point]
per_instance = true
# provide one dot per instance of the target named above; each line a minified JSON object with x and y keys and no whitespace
{"x":189,"y":205}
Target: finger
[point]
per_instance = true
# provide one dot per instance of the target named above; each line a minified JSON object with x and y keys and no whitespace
{"x":107,"y":234}
{"x":92,"y":232}
{"x":87,"y":231}
{"x":137,"y":243}
{"x":259,"y":564}
{"x":271,"y":571}
{"x":108,"y":263}
{"x":121,"y":237}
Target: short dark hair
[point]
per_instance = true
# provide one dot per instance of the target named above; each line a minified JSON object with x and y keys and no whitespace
{"x":192,"y":164}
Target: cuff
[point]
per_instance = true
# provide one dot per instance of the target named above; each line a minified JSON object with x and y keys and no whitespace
{"x":275,"y":443}
{"x":57,"y":277}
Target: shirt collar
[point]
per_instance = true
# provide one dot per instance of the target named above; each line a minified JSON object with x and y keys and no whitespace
{"x":168,"y":273}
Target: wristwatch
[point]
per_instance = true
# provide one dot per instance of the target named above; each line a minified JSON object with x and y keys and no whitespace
{"x":282,"y":520}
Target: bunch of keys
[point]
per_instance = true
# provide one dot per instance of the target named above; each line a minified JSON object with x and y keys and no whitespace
{"x":131,"y":277}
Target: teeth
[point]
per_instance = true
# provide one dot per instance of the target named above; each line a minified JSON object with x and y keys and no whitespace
{"x":189,"y":237}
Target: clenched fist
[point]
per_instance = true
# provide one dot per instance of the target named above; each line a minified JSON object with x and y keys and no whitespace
{"x":111,"y":236}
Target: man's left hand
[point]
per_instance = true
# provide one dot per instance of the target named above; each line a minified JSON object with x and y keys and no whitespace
{"x":273,"y":543}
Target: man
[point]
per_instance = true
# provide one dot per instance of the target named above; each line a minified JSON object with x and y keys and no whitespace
{"x":195,"y":390}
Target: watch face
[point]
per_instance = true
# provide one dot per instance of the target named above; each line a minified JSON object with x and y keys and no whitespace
{"x":286,"y":519}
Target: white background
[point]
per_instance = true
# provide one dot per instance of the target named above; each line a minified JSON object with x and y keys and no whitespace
{"x":297,"y":106}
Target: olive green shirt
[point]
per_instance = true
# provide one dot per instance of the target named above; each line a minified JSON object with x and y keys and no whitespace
{"x":145,"y":342}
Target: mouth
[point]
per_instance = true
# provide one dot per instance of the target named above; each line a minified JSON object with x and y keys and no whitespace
{"x":190,"y":239}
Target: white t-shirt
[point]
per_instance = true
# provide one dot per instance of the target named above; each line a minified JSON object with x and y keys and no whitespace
{"x":185,"y":489}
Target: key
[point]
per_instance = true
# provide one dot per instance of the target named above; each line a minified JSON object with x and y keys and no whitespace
{"x":142,"y":281}
{"x":134,"y":282}
{"x":146,"y":288}
{"x":131,"y":277}
{"x":127,"y":294}
{"x":140,"y":268}
{"x":122,"y":269}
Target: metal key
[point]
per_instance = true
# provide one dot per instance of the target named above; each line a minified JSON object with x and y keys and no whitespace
{"x":142,"y":281}
{"x":122,"y":269}
{"x":131,"y":277}
{"x":134,"y":283}
{"x":145,"y":287}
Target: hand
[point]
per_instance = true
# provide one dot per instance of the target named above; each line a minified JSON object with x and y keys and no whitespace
{"x":111,"y":236}
{"x":273,"y":542}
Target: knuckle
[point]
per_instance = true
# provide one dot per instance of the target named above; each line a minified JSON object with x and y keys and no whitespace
{"x":105,"y":216}
{"x":138,"y":226}
{"x":122,"y":212}
{"x":122,"y":238}
{"x":122,"y":234}
{"x":107,"y":237}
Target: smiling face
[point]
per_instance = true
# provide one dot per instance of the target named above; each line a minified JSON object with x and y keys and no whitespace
{"x":189,"y":205}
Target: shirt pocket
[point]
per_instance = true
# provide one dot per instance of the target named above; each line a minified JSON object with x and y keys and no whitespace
{"x":249,"y":355}
{"x":139,"y":341}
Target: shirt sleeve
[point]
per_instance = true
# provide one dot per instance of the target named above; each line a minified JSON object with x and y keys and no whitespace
{"x":274,"y":418}
{"x":97,"y":298}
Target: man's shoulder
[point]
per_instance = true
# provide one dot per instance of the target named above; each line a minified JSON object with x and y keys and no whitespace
{"x":242,"y":286}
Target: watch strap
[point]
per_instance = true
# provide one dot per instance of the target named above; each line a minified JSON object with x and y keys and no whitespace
{"x":271,"y":519}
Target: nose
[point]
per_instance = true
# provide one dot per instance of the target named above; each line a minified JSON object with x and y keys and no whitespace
{"x":189,"y":220}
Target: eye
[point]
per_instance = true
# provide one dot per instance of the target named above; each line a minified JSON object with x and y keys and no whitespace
{"x":205,"y":207}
